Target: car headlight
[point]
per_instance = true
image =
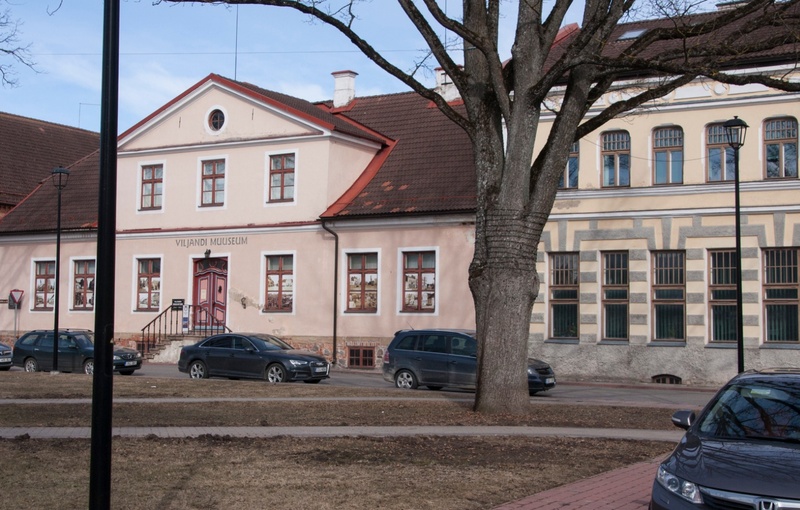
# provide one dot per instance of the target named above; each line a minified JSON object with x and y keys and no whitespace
{"x":138,"y":355}
{"x":117,"y":358}
{"x":298,"y":363}
{"x":686,"y":490}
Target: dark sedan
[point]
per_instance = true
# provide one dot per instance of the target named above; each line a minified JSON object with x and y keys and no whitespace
{"x":34,"y":352}
{"x":251,"y":355}
{"x":742,"y":452}
{"x":5,"y":357}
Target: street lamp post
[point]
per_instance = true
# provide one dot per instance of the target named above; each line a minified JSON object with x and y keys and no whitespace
{"x":735,"y":131}
{"x":60,"y":178}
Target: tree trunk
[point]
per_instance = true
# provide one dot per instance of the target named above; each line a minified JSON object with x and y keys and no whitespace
{"x":504,"y":284}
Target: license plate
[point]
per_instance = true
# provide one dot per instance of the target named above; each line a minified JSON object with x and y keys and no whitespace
{"x":320,"y":369}
{"x":5,"y":360}
{"x":550,"y":380}
{"x":131,"y":363}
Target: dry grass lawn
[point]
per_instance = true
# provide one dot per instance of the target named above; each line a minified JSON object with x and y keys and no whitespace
{"x":343,"y":473}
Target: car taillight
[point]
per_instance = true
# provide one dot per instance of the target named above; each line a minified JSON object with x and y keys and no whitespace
{"x":386,"y":357}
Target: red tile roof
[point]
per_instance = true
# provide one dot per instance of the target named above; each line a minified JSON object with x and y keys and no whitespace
{"x":428,"y":170}
{"x":30,"y":150}
{"x":79,"y":202}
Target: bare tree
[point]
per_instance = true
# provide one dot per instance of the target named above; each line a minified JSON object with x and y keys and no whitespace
{"x":503,"y":102}
{"x":10,"y":49}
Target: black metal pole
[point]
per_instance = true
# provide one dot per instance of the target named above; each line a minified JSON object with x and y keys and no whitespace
{"x":102,"y":388}
{"x":58,"y":277}
{"x":739,"y":311}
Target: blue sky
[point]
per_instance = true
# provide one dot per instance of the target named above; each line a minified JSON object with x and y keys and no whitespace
{"x":166,"y":48}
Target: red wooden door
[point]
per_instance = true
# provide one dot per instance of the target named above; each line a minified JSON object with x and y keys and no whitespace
{"x":210,"y":291}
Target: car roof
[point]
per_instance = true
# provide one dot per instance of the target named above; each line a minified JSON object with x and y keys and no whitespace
{"x":780,"y":373}
{"x":470,"y":332}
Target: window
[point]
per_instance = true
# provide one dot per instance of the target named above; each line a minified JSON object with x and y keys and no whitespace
{"x":721,"y":165}
{"x":362,"y":282}
{"x":45,"y":285}
{"x":149,"y":286}
{"x":564,"y":280}
{"x":83,"y":285}
{"x":280,"y":283}
{"x":216,"y":120}
{"x":615,"y":296}
{"x":281,"y":178}
{"x":152,"y":186}
{"x":781,"y":289}
{"x":780,"y":148}
{"x":361,"y":357}
{"x":569,"y":179}
{"x":669,"y":295}
{"x":213,"y":183}
{"x":616,"y":159}
{"x":722,"y":295}
{"x":668,"y":155}
{"x":419,"y":281}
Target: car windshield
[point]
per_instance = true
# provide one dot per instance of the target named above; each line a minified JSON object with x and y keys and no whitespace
{"x":83,"y":340}
{"x":757,"y":409}
{"x":269,"y":343}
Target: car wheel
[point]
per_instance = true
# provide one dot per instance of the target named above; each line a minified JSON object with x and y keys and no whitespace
{"x":88,"y":367}
{"x":126,"y":372}
{"x":434,"y":388}
{"x":405,"y":380}
{"x":31,"y":365}
{"x":312,"y":381}
{"x":197,"y":370}
{"x":275,"y":373}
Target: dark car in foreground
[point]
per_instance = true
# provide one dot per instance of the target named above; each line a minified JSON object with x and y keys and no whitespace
{"x":5,"y":357}
{"x":437,"y":358}
{"x":741,"y":452}
{"x":34,"y":352}
{"x":251,"y":355}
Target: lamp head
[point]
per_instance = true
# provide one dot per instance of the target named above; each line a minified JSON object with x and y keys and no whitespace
{"x":60,"y":177}
{"x":735,"y":131}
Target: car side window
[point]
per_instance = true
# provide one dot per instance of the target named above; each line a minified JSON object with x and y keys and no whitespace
{"x":463,"y":346}
{"x":242,"y":344}
{"x":65,"y":342}
{"x":220,"y":342}
{"x":407,"y":343}
{"x":46,"y":342}
{"x":29,"y":340}
{"x":435,"y":343}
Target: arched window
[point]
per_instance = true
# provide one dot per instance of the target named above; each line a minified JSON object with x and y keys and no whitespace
{"x":780,"y":148}
{"x":616,"y":152}
{"x":668,"y":155}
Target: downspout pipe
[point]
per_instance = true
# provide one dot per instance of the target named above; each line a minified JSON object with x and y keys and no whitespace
{"x":335,"y":288}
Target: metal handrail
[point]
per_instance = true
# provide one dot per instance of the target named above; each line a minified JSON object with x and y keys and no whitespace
{"x":172,"y":323}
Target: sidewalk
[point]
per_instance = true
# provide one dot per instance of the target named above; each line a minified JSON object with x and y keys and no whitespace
{"x":626,"y":488}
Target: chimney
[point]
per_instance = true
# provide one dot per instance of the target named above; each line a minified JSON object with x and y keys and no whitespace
{"x":445,"y":86}
{"x":344,"y":88}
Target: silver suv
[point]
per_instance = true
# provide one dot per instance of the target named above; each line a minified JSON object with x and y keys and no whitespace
{"x":446,"y":357}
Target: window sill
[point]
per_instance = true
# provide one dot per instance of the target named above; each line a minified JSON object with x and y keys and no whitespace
{"x":780,"y":345}
{"x":563,"y":341}
{"x":664,"y":343}
{"x":368,"y":312}
{"x":613,"y":342}
{"x":721,"y":345}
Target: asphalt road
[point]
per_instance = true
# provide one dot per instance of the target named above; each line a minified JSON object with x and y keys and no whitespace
{"x":673,"y":397}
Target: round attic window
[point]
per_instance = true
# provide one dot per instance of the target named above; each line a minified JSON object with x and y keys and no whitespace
{"x":216,"y":119}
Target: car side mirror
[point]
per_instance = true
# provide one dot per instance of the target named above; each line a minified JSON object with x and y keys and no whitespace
{"x":683,"y":419}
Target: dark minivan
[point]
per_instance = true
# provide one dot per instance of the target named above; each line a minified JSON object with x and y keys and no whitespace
{"x":446,"y":357}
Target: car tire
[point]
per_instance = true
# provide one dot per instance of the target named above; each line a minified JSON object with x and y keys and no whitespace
{"x":88,"y":367}
{"x":31,"y":365}
{"x":532,"y":392}
{"x":275,"y":373}
{"x":312,"y":381}
{"x":405,"y":380}
{"x":126,"y":372}
{"x":3,"y":369}
{"x":198,"y":370}
{"x":434,"y":388}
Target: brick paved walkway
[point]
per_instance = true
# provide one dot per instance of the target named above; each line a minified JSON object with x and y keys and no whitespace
{"x":625,"y":488}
